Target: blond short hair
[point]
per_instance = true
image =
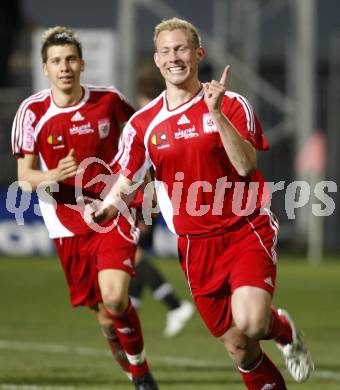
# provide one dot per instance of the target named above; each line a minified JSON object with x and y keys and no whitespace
{"x":59,"y":36}
{"x":175,"y":24}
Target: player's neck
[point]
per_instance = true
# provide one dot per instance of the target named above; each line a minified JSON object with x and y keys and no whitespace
{"x":67,"y":98}
{"x":178,"y":95}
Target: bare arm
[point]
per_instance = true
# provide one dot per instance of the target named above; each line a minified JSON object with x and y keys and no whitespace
{"x":117,"y":200}
{"x":28,"y":170}
{"x":241,"y":153}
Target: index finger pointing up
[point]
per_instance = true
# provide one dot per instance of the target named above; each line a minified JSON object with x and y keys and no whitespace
{"x":224,"y":76}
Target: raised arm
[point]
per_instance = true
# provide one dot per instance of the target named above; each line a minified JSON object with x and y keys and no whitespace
{"x":241,"y":153}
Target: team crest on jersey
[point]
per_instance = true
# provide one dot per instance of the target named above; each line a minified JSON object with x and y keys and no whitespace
{"x":56,"y":141}
{"x":160,"y":139}
{"x":208,"y":124}
{"x":103,"y":127}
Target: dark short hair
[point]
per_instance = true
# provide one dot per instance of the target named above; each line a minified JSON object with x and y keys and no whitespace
{"x":59,"y":36}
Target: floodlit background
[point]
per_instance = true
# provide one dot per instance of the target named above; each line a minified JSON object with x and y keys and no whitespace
{"x":285,"y":58}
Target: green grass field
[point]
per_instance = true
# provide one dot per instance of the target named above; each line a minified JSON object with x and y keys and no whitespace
{"x":47,"y":345}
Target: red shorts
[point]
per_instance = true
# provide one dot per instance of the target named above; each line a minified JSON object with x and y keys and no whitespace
{"x":84,"y":255}
{"x":217,"y":265}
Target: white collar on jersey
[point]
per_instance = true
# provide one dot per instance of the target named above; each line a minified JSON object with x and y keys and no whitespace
{"x":73,"y":107}
{"x":193,"y":100}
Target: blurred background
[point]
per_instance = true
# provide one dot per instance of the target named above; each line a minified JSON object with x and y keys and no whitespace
{"x":284,"y":56}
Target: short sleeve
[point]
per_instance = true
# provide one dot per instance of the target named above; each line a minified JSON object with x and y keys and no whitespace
{"x":241,"y":115}
{"x":23,"y":132}
{"x":133,"y":160}
{"x":122,"y":108}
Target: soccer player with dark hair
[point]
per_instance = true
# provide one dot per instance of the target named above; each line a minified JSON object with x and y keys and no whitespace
{"x":54,"y":131}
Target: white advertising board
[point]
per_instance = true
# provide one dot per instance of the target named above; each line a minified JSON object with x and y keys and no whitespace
{"x":99,"y":48}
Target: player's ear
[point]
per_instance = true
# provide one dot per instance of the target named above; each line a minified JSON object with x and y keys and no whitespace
{"x":155,"y":57}
{"x":44,"y":67}
{"x":200,"y":53}
{"x":82,"y":65}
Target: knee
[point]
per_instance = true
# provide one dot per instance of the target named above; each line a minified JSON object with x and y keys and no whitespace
{"x":236,"y":343}
{"x":253,"y":325}
{"x":241,"y":348}
{"x":115,"y":302}
{"x":107,"y":328}
{"x":105,"y":321}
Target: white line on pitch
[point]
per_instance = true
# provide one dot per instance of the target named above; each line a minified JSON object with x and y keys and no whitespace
{"x":169,"y":360}
{"x":8,"y":386}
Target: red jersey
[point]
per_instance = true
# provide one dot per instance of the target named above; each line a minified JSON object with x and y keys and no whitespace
{"x":91,"y":126}
{"x":198,"y":189}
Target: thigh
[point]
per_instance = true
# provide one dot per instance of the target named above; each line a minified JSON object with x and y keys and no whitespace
{"x":207,"y":266}
{"x":206,"y":263}
{"x":79,"y":265}
{"x":114,"y":283}
{"x":215,"y":310}
{"x":255,"y":261}
{"x":250,"y":304}
{"x":254,"y":268}
{"x":116,"y":249}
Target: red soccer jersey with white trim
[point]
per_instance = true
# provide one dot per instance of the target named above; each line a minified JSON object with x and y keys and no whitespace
{"x":91,"y":126}
{"x":198,"y":189}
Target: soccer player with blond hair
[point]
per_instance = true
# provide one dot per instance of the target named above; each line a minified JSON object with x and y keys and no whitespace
{"x":202,"y":140}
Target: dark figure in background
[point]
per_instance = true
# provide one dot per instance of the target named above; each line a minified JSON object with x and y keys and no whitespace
{"x":10,"y":21}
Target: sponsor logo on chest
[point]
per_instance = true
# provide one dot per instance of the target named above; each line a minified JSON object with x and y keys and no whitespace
{"x":56,"y":141}
{"x":77,"y":117}
{"x":160,"y":140}
{"x":186,"y":133}
{"x":81,"y":129}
